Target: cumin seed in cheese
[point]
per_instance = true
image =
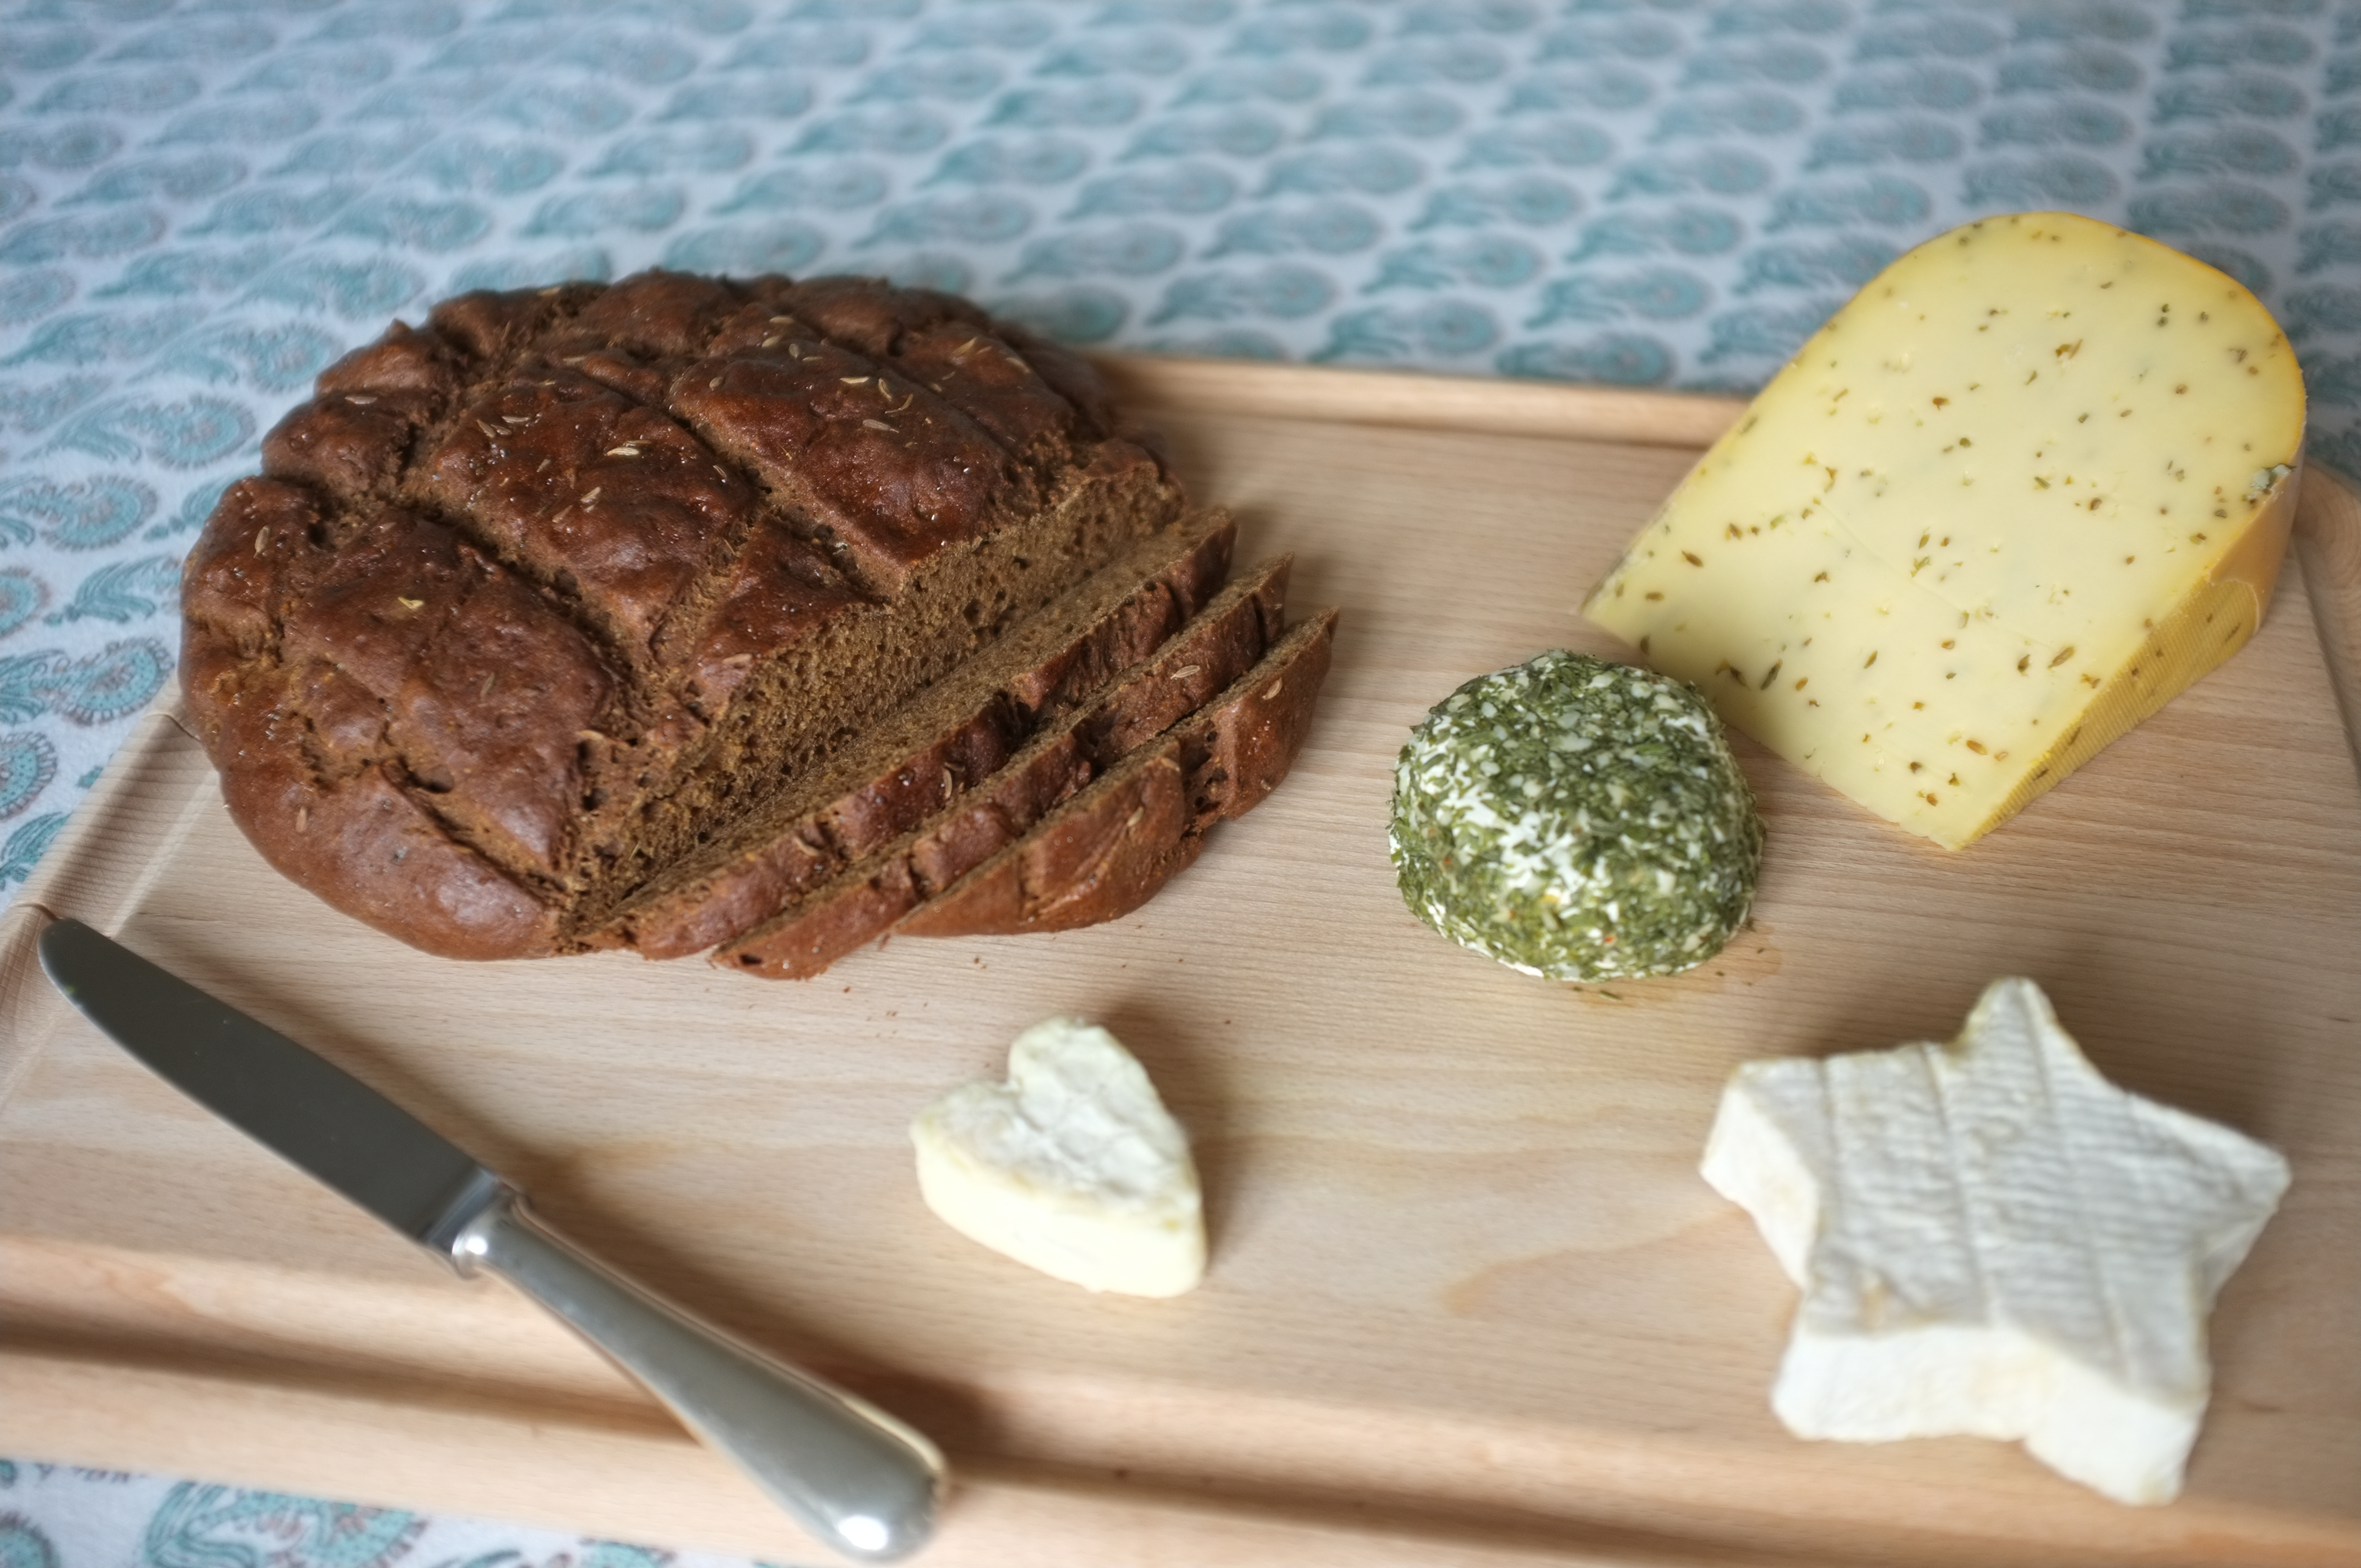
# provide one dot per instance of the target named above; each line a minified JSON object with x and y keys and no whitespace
{"x":1578,"y":820}
{"x":2031,"y":482}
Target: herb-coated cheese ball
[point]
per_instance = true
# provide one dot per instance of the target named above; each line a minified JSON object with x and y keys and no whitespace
{"x":1576,"y":819}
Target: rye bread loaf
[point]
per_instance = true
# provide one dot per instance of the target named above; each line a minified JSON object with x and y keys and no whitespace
{"x":532,"y":601}
{"x":845,"y":912}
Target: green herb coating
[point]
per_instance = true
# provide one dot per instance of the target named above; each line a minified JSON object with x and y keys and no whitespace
{"x":1578,"y":820}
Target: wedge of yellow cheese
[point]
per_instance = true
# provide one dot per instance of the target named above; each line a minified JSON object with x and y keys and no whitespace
{"x":2031,"y":482}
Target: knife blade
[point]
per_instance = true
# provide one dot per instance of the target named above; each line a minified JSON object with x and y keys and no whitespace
{"x":856,"y":1477}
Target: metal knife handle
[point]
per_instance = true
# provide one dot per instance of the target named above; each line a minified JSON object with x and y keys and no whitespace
{"x":850,"y":1473}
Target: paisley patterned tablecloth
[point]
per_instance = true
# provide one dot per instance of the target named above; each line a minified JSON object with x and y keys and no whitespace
{"x":203,"y":203}
{"x":53,"y":1517}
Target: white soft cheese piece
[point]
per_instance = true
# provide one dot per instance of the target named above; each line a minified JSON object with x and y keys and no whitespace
{"x":1072,"y":1167}
{"x":1992,"y":1239}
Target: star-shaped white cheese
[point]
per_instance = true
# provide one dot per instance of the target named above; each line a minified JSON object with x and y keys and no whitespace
{"x":1992,"y":1239}
{"x":1074,"y":1166}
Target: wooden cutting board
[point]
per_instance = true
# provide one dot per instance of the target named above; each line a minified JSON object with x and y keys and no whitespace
{"x":1469,"y":1300}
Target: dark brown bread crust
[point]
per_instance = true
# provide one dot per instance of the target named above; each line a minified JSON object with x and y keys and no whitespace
{"x":1106,"y":851}
{"x":957,"y":735}
{"x":531,"y":596}
{"x":1232,"y":747}
{"x":330,"y":723}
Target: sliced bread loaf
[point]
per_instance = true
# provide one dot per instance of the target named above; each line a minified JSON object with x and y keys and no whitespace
{"x":532,"y":601}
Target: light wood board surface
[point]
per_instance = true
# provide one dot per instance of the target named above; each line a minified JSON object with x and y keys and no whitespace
{"x":1469,"y":1300}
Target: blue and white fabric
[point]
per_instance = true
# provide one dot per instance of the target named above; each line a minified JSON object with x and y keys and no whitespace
{"x":202,"y":202}
{"x":52,"y":1515}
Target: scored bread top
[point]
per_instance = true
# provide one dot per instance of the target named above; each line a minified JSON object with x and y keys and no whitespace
{"x":528,"y":599}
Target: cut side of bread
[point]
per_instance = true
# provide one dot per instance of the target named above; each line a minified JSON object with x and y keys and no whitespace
{"x":1224,"y":642}
{"x":953,"y":736}
{"x":1107,"y":851}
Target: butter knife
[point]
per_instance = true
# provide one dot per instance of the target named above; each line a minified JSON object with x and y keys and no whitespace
{"x":852,"y":1475}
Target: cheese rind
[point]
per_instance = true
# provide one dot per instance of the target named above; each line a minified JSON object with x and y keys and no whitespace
{"x":2031,"y":482}
{"x":1072,"y":1167}
{"x":1994,"y":1240}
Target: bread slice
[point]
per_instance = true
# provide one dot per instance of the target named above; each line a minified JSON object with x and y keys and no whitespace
{"x":1107,"y":851}
{"x":1224,"y":640}
{"x":955,"y":734}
